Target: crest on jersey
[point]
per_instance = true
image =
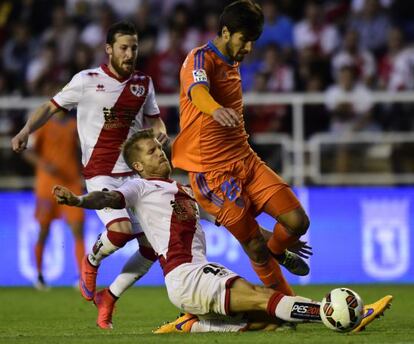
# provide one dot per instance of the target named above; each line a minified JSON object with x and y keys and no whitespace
{"x":200,"y":75}
{"x":137,"y":90}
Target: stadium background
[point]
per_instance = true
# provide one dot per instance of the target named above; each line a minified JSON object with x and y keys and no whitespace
{"x":352,"y":168}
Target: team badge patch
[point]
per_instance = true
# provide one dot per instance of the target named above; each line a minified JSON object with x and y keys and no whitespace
{"x":137,"y":90}
{"x":199,"y":75}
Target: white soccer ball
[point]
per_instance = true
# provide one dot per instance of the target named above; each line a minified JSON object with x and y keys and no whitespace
{"x":342,"y":310}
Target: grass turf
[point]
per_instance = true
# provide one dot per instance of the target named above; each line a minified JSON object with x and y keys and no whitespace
{"x":60,"y":316}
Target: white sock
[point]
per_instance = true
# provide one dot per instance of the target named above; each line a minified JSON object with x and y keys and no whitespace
{"x":297,"y":309}
{"x":136,"y":267}
{"x":217,"y":326}
{"x":102,"y":248}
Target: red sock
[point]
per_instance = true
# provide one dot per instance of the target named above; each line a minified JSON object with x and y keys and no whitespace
{"x":79,"y":251}
{"x":271,"y":276}
{"x":280,"y":240}
{"x":273,"y":302}
{"x":39,"y":248}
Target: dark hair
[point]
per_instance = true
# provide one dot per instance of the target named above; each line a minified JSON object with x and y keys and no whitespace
{"x":242,"y":16}
{"x":122,"y":27}
{"x":129,"y":146}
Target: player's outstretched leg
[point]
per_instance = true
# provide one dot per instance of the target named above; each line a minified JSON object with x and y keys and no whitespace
{"x":105,"y":302}
{"x":373,"y":311}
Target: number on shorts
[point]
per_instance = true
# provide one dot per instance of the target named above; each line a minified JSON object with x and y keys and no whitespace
{"x":230,"y":189}
{"x":212,"y":269}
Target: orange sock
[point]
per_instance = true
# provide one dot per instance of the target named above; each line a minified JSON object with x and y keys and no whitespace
{"x":79,"y":252}
{"x":39,"y":248}
{"x":280,"y":240}
{"x":271,"y":276}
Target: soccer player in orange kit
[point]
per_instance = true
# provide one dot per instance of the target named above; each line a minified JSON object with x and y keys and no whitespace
{"x":54,"y":154}
{"x":228,"y":178}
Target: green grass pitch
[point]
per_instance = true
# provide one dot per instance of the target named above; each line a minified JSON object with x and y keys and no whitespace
{"x":60,"y":316}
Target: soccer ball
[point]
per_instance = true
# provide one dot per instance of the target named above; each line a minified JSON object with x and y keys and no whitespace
{"x":342,"y":310}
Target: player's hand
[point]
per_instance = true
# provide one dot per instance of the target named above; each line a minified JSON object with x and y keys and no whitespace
{"x":227,"y":117}
{"x":65,"y":196}
{"x":19,"y":142}
{"x":301,"y":248}
{"x":163,"y":139}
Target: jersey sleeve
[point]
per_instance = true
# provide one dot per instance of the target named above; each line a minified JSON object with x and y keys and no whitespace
{"x":197,"y":69}
{"x":132,"y":190}
{"x":71,"y":94}
{"x":150,"y":106}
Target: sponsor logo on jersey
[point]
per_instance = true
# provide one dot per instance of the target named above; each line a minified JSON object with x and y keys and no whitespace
{"x":137,"y":90}
{"x":200,"y":75}
{"x":117,"y":118}
{"x":100,"y":88}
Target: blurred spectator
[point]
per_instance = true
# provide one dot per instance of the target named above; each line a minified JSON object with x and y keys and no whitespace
{"x":180,"y":21}
{"x":314,"y":33}
{"x":123,"y":9}
{"x":164,"y":68}
{"x":372,"y":25}
{"x":265,"y":118}
{"x":352,"y":54}
{"x":315,"y":115}
{"x":94,"y":34}
{"x":147,"y":34}
{"x":209,"y":27}
{"x":358,"y":5}
{"x":349,"y":105}
{"x":280,"y":74}
{"x":389,"y":76}
{"x":63,"y":33}
{"x":278,"y":29}
{"x":45,"y":74}
{"x":83,"y":59}
{"x":397,"y":74}
{"x":16,"y":55}
{"x":402,"y":13}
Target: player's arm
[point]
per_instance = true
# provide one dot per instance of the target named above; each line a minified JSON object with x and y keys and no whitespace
{"x":202,"y":99}
{"x":158,"y":125}
{"x":92,"y":200}
{"x":37,"y":119}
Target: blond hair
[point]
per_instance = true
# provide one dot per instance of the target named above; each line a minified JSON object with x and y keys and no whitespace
{"x":130,"y":146}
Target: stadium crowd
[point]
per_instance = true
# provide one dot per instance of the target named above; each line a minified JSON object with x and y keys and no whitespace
{"x":340,"y":47}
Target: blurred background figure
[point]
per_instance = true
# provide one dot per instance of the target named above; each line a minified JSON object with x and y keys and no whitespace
{"x":352,"y":54}
{"x":350,"y":108}
{"x":372,"y":23}
{"x":54,"y":153}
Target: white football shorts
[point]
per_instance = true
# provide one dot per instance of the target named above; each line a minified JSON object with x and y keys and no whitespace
{"x":109,"y":215}
{"x":200,"y":288}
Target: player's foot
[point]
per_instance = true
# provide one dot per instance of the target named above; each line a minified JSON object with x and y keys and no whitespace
{"x":87,"y":281}
{"x":40,"y":284}
{"x":105,"y":303}
{"x":373,"y":311}
{"x":182,"y":324}
{"x":293,"y":263}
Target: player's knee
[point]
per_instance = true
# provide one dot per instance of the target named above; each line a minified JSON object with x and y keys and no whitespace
{"x":302,"y":226}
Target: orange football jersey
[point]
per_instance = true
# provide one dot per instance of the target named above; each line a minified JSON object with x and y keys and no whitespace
{"x":203,"y":144}
{"x":57,"y":144}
